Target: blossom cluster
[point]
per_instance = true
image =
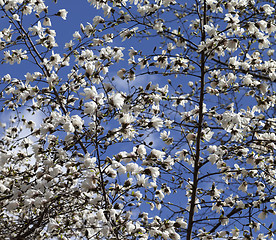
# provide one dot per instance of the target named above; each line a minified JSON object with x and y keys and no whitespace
{"x":155,"y":120}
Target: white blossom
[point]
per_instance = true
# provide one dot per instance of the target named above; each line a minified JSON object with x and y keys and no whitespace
{"x":52,"y":225}
{"x":12,"y":205}
{"x":243,"y":186}
{"x":118,"y":100}
{"x":268,"y":9}
{"x":263,"y":214}
{"x":37,"y":30}
{"x":158,"y":154}
{"x":77,"y":122}
{"x":121,"y":73}
{"x":156,"y":122}
{"x":62,"y":13}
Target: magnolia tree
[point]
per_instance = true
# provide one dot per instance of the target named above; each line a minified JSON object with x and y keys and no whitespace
{"x":156,"y":120}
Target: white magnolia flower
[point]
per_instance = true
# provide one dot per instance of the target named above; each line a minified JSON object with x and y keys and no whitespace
{"x":52,"y":225}
{"x":211,"y":30}
{"x":27,"y":10}
{"x":182,"y":154}
{"x":235,"y":232}
{"x":158,"y":154}
{"x":273,"y":203}
{"x":62,"y":13}
{"x":127,"y":118}
{"x":159,"y":194}
{"x":69,"y":45}
{"x":90,"y":108}
{"x":270,"y":52}
{"x":121,"y":73}
{"x":68,"y":127}
{"x":37,"y":29}
{"x":12,"y":205}
{"x":263,"y":215}
{"x":191,"y":137}
{"x":88,"y":161}
{"x":77,"y":35}
{"x":212,"y":149}
{"x":261,"y":236}
{"x":255,"y":225}
{"x":130,"y":227}
{"x":154,"y":172}
{"x":3,"y":188}
{"x":90,"y":93}
{"x":263,"y":88}
{"x":158,"y":26}
{"x":118,"y":100}
{"x":89,"y":68}
{"x":100,"y":215}
{"x":224,"y":220}
{"x":16,"y":17}
{"x":77,"y":122}
{"x":264,"y":42}
{"x":132,"y":168}
{"x":197,"y":206}
{"x":132,"y":52}
{"x":57,"y":169}
{"x":168,"y":123}
{"x":142,"y":180}
{"x":156,"y":123}
{"x":218,"y":206}
{"x":268,"y":9}
{"x":240,"y":204}
{"x":47,"y":22}
{"x":141,"y":150}
{"x":243,"y":186}
{"x":232,"y":45}
{"x":213,"y":158}
{"x":207,"y":134}
{"x":181,"y":223}
{"x":121,"y":169}
{"x":247,"y":79}
{"x":97,"y":20}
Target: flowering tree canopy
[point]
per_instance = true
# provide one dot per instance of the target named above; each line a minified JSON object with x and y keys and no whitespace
{"x":156,"y":120}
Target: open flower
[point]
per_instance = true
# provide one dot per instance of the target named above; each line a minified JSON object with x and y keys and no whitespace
{"x":156,"y":122}
{"x":77,"y":122}
{"x":121,"y":73}
{"x":118,"y":100}
{"x":263,"y":214}
{"x":243,"y":186}
{"x":90,"y":108}
{"x":62,"y":13}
